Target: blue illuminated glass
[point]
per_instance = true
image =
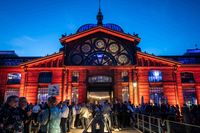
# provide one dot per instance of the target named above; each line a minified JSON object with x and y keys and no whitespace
{"x":109,"y":26}
{"x":99,"y":55}
{"x":155,"y":76}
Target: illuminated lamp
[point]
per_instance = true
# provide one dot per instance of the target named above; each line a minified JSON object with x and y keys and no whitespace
{"x":98,"y":97}
{"x":156,"y":74}
{"x":135,"y":84}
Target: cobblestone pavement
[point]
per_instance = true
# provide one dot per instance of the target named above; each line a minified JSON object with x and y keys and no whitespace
{"x":128,"y":130}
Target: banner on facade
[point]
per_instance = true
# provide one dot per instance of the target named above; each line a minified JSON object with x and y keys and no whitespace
{"x":53,"y":90}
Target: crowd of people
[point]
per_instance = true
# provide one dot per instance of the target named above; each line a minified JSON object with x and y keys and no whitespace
{"x":16,"y":115}
{"x":186,"y":114}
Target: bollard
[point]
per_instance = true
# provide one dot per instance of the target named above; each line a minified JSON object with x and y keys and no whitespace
{"x":98,"y":120}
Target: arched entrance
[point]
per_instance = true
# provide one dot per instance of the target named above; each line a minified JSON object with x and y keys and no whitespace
{"x":100,"y":88}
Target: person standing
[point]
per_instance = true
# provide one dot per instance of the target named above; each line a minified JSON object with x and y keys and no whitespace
{"x":73,"y":115}
{"x":25,"y":113}
{"x":186,"y":114}
{"x":10,"y":118}
{"x":130,"y":111}
{"x":124,"y":114}
{"x":116,"y":111}
{"x":106,"y":110}
{"x":35,"y":125}
{"x":84,"y":116}
{"x":77,"y":122}
{"x":64,"y":119}
{"x":50,"y":118}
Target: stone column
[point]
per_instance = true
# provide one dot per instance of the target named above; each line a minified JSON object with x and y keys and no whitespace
{"x":117,"y":81}
{"x":135,"y":87}
{"x":22,"y":91}
{"x":64,"y":85}
{"x":69,"y":85}
{"x":197,"y":85}
{"x":179,"y":89}
{"x":130,"y":75}
{"x":82,"y":90}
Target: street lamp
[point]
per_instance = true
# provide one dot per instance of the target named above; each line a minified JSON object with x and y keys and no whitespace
{"x":134,"y":84}
{"x":135,"y":92}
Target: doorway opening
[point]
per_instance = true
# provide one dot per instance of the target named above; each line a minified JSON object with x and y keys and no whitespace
{"x":189,"y":95}
{"x":99,"y":93}
{"x":157,"y":95}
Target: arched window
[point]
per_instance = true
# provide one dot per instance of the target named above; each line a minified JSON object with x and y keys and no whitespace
{"x":45,"y":77}
{"x":187,"y":77}
{"x":100,"y":59}
{"x":75,"y":76}
{"x":155,"y":76}
{"x":157,"y":95}
{"x":75,"y":94}
{"x":125,"y":94}
{"x":100,"y":52}
{"x":124,"y":76}
{"x":189,"y":95}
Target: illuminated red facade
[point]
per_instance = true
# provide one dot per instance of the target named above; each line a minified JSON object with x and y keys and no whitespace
{"x":102,"y":62}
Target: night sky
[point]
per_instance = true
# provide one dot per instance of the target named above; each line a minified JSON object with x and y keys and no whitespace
{"x":33,"y":27}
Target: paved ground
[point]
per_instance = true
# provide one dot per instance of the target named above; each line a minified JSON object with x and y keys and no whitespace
{"x":123,"y":131}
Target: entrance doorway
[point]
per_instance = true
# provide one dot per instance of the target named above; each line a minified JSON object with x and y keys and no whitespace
{"x":157,"y":95}
{"x":99,"y":93}
{"x":100,"y":89}
{"x":189,"y":95}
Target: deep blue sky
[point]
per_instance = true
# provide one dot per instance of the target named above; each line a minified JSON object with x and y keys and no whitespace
{"x":33,"y":27}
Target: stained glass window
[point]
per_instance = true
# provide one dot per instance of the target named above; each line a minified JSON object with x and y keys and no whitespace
{"x":100,"y":59}
{"x":99,"y":52}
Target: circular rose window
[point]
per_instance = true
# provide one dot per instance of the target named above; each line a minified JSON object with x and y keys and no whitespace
{"x":85,"y":48}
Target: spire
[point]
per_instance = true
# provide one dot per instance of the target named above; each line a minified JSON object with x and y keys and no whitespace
{"x":99,"y":15}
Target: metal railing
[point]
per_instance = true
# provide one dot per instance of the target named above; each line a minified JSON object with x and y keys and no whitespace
{"x":149,"y":124}
{"x":98,"y":124}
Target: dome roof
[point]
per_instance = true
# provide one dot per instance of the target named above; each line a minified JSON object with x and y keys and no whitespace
{"x":108,"y":25}
{"x":99,"y":18}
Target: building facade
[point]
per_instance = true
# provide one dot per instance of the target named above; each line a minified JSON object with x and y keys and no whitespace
{"x":102,"y":62}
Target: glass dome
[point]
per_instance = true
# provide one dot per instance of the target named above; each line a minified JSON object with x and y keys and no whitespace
{"x":108,"y":25}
